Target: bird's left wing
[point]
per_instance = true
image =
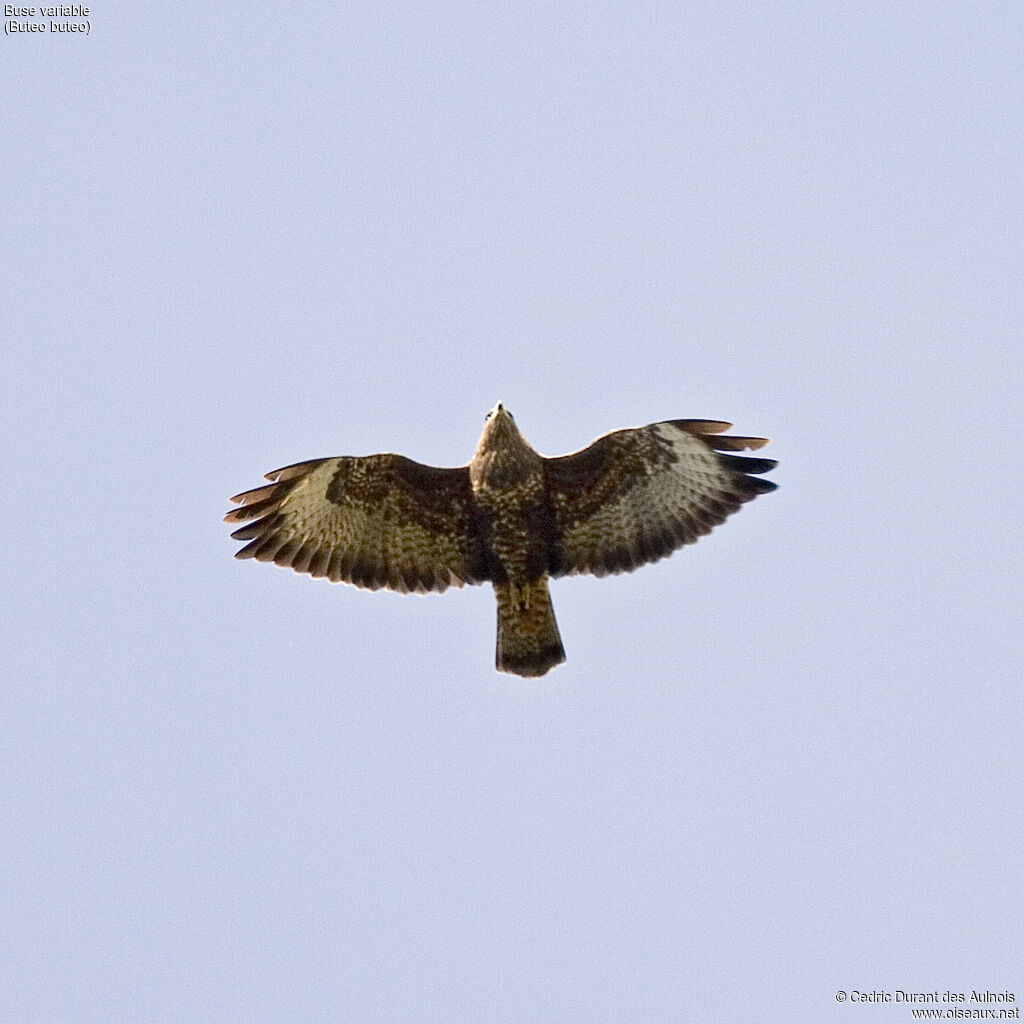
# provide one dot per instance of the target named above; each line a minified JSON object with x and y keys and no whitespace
{"x":374,"y":521}
{"x":634,"y":496}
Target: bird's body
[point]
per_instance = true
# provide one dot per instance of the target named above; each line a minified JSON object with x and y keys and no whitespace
{"x":507,"y":477}
{"x":510,"y":517}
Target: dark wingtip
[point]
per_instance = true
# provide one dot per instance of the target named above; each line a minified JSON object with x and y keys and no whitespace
{"x":747,"y":464}
{"x":759,"y":486}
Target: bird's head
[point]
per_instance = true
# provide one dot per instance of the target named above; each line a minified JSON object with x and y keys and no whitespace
{"x":499,"y":424}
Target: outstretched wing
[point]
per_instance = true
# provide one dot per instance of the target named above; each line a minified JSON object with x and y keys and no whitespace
{"x":635,"y":496}
{"x":373,"y":521}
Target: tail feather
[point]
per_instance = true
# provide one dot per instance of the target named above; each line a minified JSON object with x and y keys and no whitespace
{"x":528,"y":640}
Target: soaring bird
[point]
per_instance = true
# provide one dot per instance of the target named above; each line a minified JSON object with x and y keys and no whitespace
{"x":511,"y":517}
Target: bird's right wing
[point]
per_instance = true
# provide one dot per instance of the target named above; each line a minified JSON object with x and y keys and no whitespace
{"x":374,"y":521}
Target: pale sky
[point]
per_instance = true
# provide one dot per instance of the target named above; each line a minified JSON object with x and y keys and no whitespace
{"x":784,"y":763}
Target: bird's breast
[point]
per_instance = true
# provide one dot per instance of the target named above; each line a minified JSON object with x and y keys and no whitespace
{"x":518,"y":529}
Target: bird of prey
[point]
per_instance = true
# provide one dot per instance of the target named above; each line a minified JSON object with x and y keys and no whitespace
{"x":511,"y":517}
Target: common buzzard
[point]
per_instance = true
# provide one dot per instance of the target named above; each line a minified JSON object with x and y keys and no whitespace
{"x":511,"y":517}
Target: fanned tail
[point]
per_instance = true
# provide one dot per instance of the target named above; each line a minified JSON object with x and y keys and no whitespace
{"x":528,"y":641}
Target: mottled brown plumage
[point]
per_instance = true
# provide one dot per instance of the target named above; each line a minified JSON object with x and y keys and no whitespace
{"x":511,"y":517}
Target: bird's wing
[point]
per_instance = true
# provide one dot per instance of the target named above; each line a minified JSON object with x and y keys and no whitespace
{"x":374,"y":521}
{"x":634,"y":496}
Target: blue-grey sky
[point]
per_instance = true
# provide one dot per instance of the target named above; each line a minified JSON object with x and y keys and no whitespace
{"x":782,"y":763}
